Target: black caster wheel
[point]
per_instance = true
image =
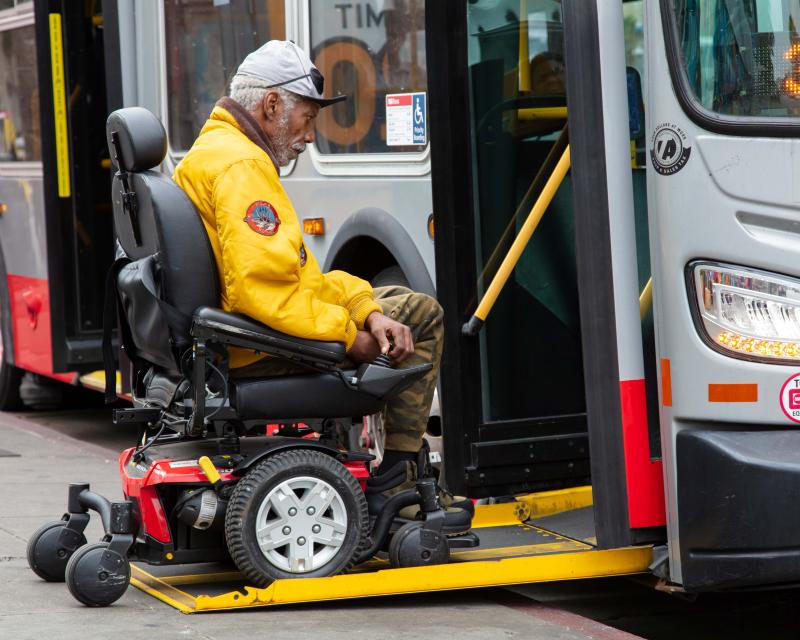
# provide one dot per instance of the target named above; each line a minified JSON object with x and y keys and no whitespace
{"x":412,"y":546}
{"x":48,"y":553}
{"x":97,"y":576}
{"x":297,"y":514}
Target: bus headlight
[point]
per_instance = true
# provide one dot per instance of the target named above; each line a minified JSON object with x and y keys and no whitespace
{"x":753,"y":314}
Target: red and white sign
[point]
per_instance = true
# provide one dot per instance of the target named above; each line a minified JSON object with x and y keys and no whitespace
{"x":398,"y":100}
{"x":790,"y":398}
{"x":406,"y":116}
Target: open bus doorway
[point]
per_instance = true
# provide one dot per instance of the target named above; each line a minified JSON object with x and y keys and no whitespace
{"x":515,"y":396}
{"x":77,"y":172}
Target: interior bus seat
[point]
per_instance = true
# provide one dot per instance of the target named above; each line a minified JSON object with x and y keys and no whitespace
{"x":168,"y":294}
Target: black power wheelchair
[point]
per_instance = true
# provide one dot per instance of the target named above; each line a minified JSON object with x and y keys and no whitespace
{"x":199,"y":486}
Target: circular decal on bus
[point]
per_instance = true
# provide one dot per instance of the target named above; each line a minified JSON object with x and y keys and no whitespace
{"x":262,"y":218}
{"x":668,"y":149}
{"x":790,"y":398}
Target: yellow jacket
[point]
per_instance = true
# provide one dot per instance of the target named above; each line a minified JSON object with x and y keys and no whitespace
{"x":265,"y":270}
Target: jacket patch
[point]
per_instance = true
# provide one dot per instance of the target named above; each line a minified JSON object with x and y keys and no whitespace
{"x":262,"y":218}
{"x":303,"y":255}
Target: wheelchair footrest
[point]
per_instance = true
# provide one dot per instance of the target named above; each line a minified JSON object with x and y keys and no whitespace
{"x":466,"y":540}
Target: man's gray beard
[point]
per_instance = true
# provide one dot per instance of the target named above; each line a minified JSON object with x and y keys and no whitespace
{"x":284,"y":151}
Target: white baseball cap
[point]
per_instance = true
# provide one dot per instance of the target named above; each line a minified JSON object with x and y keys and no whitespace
{"x":281,"y":63}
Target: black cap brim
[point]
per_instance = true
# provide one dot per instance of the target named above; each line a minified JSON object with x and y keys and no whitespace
{"x":327,"y":102}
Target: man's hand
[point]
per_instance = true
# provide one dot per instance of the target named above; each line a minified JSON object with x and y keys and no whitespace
{"x":394,"y":338}
{"x":364,"y":349}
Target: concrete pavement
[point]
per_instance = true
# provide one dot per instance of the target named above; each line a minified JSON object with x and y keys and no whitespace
{"x":36,"y":464}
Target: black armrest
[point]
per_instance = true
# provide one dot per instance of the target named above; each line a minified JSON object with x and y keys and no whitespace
{"x":240,"y":331}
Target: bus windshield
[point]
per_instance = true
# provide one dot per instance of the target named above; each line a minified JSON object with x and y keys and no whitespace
{"x":742,"y":57}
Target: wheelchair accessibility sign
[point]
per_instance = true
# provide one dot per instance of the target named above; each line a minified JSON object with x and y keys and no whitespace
{"x":406,"y":119}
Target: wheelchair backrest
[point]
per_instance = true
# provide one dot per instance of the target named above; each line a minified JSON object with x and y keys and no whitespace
{"x":172,"y":270}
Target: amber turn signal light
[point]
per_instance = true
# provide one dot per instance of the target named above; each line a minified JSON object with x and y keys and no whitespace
{"x":314,"y":226}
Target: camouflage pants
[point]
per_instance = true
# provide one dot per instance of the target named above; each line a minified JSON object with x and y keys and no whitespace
{"x":406,"y":415}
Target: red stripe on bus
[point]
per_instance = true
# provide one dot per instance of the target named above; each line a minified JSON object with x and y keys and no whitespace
{"x":733,"y":393}
{"x":644,"y":479}
{"x":30,"y":316}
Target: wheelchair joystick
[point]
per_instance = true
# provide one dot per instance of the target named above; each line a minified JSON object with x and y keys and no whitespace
{"x":383,"y":361}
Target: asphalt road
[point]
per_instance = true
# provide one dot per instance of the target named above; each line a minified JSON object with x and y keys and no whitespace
{"x":579,"y":609}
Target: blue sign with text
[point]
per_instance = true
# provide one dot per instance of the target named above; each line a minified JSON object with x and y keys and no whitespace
{"x":418,"y":118}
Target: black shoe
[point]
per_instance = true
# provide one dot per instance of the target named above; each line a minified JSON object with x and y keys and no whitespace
{"x":403,"y":476}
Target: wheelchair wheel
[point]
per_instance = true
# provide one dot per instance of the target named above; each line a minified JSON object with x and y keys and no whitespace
{"x":409,"y":549}
{"x":297,"y":514}
{"x":47,"y":558}
{"x":97,"y":576}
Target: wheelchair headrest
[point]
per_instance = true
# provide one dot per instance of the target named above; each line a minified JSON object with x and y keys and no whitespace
{"x":142,"y":139}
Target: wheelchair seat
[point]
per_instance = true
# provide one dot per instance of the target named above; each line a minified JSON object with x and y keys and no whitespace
{"x":167,"y":295}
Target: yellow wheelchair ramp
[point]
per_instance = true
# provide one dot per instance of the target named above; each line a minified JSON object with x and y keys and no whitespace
{"x":513,"y":550}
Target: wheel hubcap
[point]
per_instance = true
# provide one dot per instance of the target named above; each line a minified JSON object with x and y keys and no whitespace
{"x":301,"y":524}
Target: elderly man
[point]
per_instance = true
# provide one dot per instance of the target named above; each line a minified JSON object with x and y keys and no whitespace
{"x":231,"y":174}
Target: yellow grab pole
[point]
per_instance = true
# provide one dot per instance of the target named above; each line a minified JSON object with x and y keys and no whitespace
{"x":60,"y":107}
{"x":520,"y":242}
{"x":524,"y":71}
{"x":550,"y":160}
{"x":646,"y":299}
{"x":542,"y":113}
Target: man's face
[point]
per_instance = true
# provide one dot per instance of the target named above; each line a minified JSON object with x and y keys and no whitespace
{"x":293,"y":129}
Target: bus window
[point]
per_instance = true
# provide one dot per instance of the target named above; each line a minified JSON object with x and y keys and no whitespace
{"x":20,"y":137}
{"x":206,"y":42}
{"x":742,"y":57}
{"x":633,"y":16}
{"x":10,"y":4}
{"x":366,"y":50}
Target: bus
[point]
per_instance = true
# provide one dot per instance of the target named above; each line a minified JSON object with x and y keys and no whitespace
{"x":615,"y":250}
{"x":363,"y":190}
{"x":631,"y":323}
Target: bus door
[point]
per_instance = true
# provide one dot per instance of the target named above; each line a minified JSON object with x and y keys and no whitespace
{"x":74,"y":102}
{"x":550,"y":390}
{"x":723,"y":103}
{"x":23,"y":267}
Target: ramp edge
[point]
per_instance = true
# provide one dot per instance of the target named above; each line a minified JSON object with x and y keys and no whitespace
{"x":467,"y":575}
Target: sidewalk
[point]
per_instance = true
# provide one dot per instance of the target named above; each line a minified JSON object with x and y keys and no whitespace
{"x":36,"y":465}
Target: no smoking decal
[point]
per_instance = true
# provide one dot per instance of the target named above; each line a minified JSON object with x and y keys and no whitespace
{"x":790,"y":398}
